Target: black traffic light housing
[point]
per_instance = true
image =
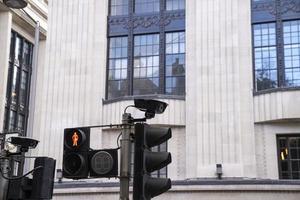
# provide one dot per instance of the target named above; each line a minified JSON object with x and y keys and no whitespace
{"x":145,"y":161}
{"x":80,"y":161}
{"x":76,"y":149}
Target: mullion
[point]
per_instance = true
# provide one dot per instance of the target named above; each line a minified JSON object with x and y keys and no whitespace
{"x":162,"y":49}
{"x":27,"y":96}
{"x":130,"y":47}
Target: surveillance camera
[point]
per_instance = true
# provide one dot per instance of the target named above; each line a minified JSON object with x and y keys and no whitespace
{"x":24,"y":143}
{"x":151,"y":107}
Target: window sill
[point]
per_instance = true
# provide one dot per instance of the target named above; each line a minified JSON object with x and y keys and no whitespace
{"x":155,"y":96}
{"x":282,"y":89}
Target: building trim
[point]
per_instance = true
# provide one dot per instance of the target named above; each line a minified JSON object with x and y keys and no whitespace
{"x":186,"y":185}
{"x":155,"y":96}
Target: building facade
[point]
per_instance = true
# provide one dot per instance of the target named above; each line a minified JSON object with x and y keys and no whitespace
{"x":229,"y":71}
{"x":22,"y":43}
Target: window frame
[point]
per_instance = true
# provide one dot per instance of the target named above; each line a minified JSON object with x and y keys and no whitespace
{"x":273,"y":12}
{"x":110,"y":9}
{"x":174,"y":54}
{"x":152,"y":11}
{"x":287,"y":136}
{"x":129,"y":29}
{"x":146,"y":56}
{"x":284,"y":50}
{"x":254,"y":47}
{"x":108,"y":64}
{"x":16,"y":106}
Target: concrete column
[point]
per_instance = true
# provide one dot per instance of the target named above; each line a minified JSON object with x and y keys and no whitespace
{"x":5,"y":32}
{"x":219,"y":102}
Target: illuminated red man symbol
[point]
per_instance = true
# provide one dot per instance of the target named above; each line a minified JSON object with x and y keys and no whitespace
{"x":75,"y":139}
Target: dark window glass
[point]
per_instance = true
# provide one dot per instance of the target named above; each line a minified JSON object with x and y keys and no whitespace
{"x":146,"y":6}
{"x":117,"y":67}
{"x":27,"y":53}
{"x":118,"y":7}
{"x":21,"y":122}
{"x":12,"y":48}
{"x":146,"y":64}
{"x":15,"y":84}
{"x":12,"y":120}
{"x":265,"y":56}
{"x":23,"y":88}
{"x":175,"y":4}
{"x":175,"y":63}
{"x":6,"y":119}
{"x":291,"y":31}
{"x":18,"y":50}
{"x":289,"y":157}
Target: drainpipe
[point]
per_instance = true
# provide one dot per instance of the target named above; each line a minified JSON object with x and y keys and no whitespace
{"x":33,"y":81}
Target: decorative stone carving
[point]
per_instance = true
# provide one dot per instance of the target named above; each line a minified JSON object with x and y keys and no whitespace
{"x":265,"y":6}
{"x":146,"y":21}
{"x":270,"y":6}
{"x":117,"y":21}
{"x":290,"y":6}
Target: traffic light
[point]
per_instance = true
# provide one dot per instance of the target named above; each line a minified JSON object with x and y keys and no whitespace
{"x":145,"y":161}
{"x":76,"y":152}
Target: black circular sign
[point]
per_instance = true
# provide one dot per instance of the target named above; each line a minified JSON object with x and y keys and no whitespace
{"x":102,"y":162}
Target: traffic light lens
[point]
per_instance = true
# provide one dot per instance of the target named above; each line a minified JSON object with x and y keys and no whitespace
{"x":102,"y":162}
{"x":74,"y":139}
{"x":74,"y":163}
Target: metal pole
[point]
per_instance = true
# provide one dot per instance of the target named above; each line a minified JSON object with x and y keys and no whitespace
{"x":33,"y":79}
{"x":29,"y":132}
{"x":125,"y":157}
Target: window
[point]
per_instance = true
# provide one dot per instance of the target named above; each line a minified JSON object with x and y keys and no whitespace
{"x":289,"y":156}
{"x":265,"y":59}
{"x":276,"y":45}
{"x":17,"y":95}
{"x":175,"y":63}
{"x":146,"y":49}
{"x":146,"y":64}
{"x":118,"y":7}
{"x":175,"y":4}
{"x":146,"y":6}
{"x":117,"y":74}
{"x":147,"y":73}
{"x":291,"y":31}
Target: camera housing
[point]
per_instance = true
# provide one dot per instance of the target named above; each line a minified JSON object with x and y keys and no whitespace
{"x":24,"y":143}
{"x":150,"y":107}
